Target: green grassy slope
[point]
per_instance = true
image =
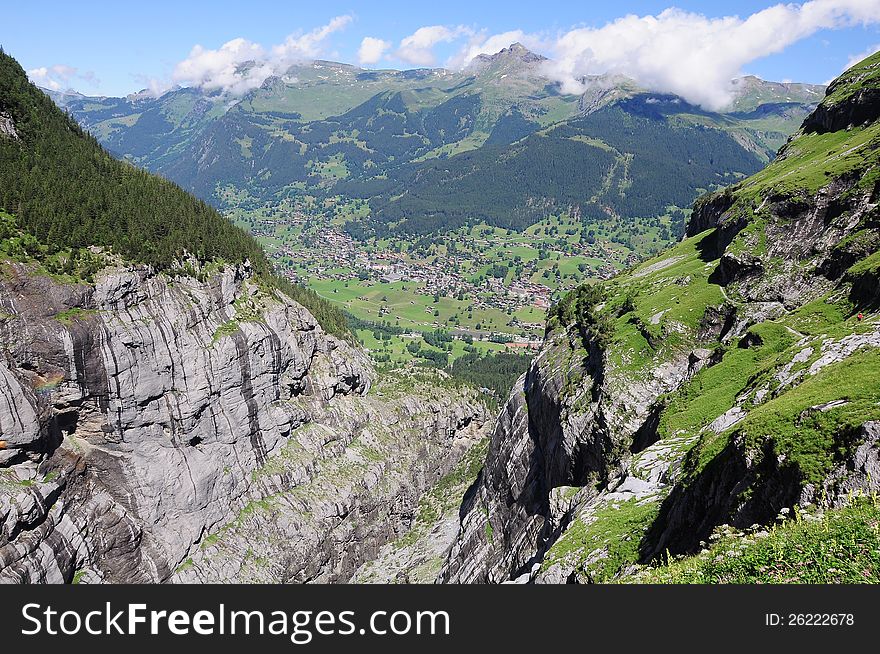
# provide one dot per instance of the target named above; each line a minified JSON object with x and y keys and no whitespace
{"x":839,"y":546}
{"x":777,"y":284}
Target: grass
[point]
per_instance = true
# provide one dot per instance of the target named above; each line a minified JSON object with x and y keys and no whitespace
{"x":65,"y":265}
{"x":813,"y":439}
{"x":806,"y":437}
{"x":813,"y":160}
{"x":403,"y":305}
{"x":657,"y":309}
{"x":663,"y":299}
{"x":822,"y":316}
{"x":186,"y":565}
{"x":248,"y":307}
{"x":470,"y":142}
{"x":864,"y":74}
{"x":714,"y":389}
{"x":840,"y":546}
{"x":681,"y":289}
{"x":868,"y":265}
{"x":254,"y":506}
{"x":69,"y":316}
{"x":228,"y":328}
{"x":608,"y":543}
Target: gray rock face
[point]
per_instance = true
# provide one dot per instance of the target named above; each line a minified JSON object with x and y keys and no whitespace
{"x":418,"y":555}
{"x":859,"y":474}
{"x":338,"y":490}
{"x":137,"y":415}
{"x":570,"y":421}
{"x":7,"y":126}
{"x":647,"y":479}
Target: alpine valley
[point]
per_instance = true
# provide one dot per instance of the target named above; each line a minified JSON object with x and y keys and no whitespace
{"x":461,"y":202}
{"x":311,"y":388}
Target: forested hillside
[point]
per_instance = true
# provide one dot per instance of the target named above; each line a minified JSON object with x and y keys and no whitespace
{"x":631,"y":159}
{"x":67,"y":193}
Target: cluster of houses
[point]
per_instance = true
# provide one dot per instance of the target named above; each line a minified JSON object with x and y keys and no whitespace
{"x":324,"y":251}
{"x":332,"y":254}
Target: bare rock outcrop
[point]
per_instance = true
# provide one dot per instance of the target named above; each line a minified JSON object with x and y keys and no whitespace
{"x":139,"y":415}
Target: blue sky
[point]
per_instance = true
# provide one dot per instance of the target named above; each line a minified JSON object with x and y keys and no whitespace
{"x":116,"y":48}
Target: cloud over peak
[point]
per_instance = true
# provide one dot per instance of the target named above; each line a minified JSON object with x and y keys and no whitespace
{"x":483,"y":43}
{"x":683,"y":52}
{"x":60,"y":76}
{"x":692,"y":55}
{"x":674,"y":51}
{"x":223,"y":68}
{"x":239,"y":65}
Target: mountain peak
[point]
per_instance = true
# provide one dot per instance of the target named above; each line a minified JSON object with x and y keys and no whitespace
{"x":514,"y":54}
{"x":62,"y":97}
{"x":517,"y":48}
{"x":750,"y":92}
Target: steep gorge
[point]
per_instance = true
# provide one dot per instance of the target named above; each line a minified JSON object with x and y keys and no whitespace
{"x":160,"y":428}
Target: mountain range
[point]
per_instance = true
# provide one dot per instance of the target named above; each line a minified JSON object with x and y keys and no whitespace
{"x":422,"y":145}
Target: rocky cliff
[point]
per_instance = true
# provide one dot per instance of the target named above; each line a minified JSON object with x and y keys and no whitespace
{"x":733,"y":377}
{"x":157,"y":427}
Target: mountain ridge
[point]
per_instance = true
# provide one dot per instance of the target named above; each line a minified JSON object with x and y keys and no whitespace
{"x":269,"y":142}
{"x":515,"y":52}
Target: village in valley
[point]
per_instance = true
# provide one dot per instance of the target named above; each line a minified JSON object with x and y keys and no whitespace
{"x":483,"y":288}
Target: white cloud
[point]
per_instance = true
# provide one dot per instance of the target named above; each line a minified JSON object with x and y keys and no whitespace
{"x":232,"y":67}
{"x":60,"y":77}
{"x":240,"y":65}
{"x":693,"y":55}
{"x":418,"y":47}
{"x":153,"y":86}
{"x":40,"y":77}
{"x":308,"y":45}
{"x":854,"y":59}
{"x":63,"y":71}
{"x":371,"y":50}
{"x":90,"y":78}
